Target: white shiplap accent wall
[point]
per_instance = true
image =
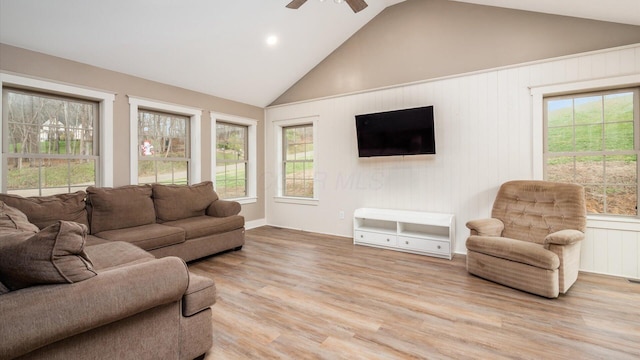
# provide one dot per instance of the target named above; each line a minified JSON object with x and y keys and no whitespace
{"x":484,"y":137}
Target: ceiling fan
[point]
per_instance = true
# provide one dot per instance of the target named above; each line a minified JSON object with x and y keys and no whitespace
{"x":356,"y":5}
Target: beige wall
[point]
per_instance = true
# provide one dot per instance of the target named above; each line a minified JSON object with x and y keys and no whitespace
{"x":426,"y":39}
{"x":33,"y":64}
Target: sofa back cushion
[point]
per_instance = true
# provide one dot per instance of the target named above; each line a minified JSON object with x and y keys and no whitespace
{"x":175,"y":202}
{"x":43,"y":211}
{"x":14,"y":219}
{"x":120,"y":207}
{"x":53,"y":255}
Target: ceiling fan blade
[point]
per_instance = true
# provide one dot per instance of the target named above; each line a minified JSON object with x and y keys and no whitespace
{"x":357,"y":5}
{"x":296,"y":4}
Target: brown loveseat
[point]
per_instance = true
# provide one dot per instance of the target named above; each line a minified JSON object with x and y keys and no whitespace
{"x":68,"y":294}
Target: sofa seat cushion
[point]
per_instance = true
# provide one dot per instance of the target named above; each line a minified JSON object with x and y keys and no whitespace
{"x":147,"y":237}
{"x":515,"y":250}
{"x":174,"y":202}
{"x":200,"y":226}
{"x":200,"y":295}
{"x":113,"y":254}
{"x":14,"y":219}
{"x":92,"y":240}
{"x":43,"y":211}
{"x":121,"y":207}
{"x":52,"y":256}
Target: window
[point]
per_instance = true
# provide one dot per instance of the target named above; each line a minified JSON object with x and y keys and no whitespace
{"x":164,"y":148}
{"x":50,"y":143}
{"x":234,"y":167}
{"x":231,"y":160}
{"x":297,"y":160}
{"x":592,"y":139}
{"x":53,"y":137}
{"x":296,"y":164}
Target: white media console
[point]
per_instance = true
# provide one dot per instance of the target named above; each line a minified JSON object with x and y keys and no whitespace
{"x":409,"y":231}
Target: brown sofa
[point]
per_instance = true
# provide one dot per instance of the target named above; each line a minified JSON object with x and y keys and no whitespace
{"x":69,"y":294}
{"x":166,"y":220}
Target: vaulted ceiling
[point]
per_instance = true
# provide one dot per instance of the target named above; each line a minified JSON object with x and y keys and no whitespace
{"x":220,"y":47}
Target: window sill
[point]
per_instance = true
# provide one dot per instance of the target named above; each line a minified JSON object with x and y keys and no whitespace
{"x":613,"y":222}
{"x":243,"y":200}
{"x":296,"y":200}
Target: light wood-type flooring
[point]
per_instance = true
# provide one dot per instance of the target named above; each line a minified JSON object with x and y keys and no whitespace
{"x":297,"y":295}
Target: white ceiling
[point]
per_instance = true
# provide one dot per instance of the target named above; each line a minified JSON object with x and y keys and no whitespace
{"x":218,"y":47}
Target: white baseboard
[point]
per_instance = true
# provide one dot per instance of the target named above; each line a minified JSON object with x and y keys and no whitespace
{"x":255,"y":224}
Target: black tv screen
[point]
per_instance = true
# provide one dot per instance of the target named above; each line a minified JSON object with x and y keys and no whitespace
{"x":399,"y":132}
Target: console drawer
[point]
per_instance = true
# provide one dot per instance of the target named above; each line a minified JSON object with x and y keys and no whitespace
{"x":375,"y":238}
{"x":424,"y":245}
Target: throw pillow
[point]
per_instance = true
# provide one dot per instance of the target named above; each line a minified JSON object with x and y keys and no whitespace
{"x":175,"y":202}
{"x":43,"y":211}
{"x":12,"y":218}
{"x":120,"y":207}
{"x":53,"y":255}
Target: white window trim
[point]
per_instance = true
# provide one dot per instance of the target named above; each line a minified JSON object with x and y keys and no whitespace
{"x":278,"y":125}
{"x":195,"y":115}
{"x":538,"y":93}
{"x":252,"y":152}
{"x":105,"y":123}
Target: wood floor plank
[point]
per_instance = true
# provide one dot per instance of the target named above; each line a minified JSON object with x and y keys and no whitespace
{"x":297,"y":295}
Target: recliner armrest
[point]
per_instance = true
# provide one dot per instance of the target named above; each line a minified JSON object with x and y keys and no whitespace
{"x":486,"y":227}
{"x":224,"y":208}
{"x":563,"y":237}
{"x":40,"y":315}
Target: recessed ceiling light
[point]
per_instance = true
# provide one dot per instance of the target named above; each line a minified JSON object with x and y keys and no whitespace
{"x":272,"y":40}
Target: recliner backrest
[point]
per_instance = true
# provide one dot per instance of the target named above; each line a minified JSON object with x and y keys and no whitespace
{"x":532,"y":209}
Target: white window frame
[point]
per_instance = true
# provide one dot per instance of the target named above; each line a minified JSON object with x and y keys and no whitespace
{"x":105,"y":123}
{"x":195,"y":124}
{"x":278,"y":127}
{"x":538,"y":93}
{"x":252,"y":152}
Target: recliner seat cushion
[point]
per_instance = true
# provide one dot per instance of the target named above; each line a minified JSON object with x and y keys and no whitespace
{"x":147,"y":237}
{"x":515,"y":250}
{"x":175,"y":202}
{"x":43,"y":211}
{"x":199,"y":226}
{"x":121,"y":207}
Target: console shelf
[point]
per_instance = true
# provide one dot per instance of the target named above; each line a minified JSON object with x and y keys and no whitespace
{"x":409,"y":231}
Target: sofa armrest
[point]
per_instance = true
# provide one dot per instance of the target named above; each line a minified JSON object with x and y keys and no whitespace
{"x":36,"y":316}
{"x":563,"y":237}
{"x":224,"y":208}
{"x":486,"y":227}
{"x":200,"y":295}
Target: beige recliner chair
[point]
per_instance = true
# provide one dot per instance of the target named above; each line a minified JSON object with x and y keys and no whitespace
{"x":532,"y":241}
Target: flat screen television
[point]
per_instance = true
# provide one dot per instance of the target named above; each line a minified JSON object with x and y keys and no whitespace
{"x":398,"y":132}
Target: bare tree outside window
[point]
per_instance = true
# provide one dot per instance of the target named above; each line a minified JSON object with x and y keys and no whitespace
{"x":163,"y":155}
{"x":298,"y":160}
{"x":51,"y":143}
{"x":231,"y":160}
